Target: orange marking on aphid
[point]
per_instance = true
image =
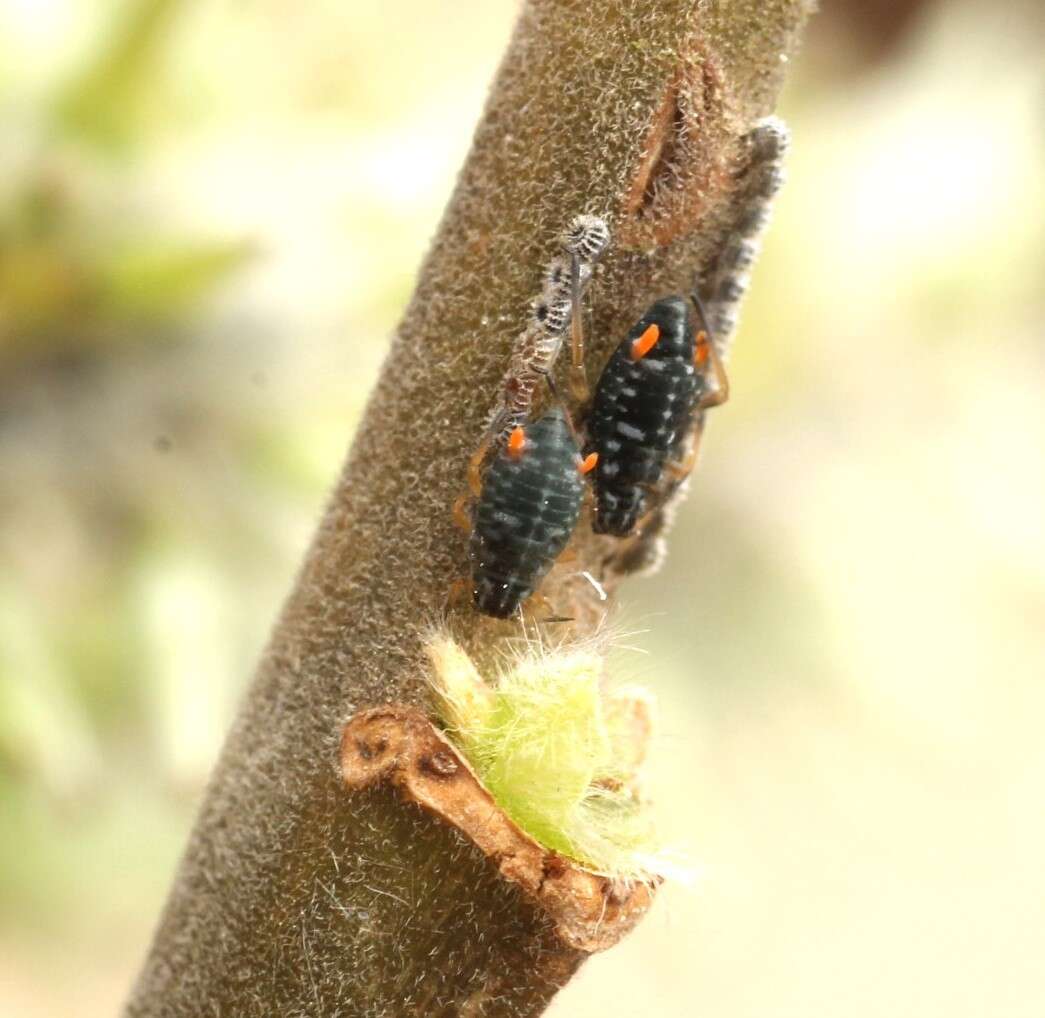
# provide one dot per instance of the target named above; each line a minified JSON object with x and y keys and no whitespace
{"x":642,"y":346}
{"x":587,"y":465}
{"x":702,"y":351}
{"x":516,"y":443}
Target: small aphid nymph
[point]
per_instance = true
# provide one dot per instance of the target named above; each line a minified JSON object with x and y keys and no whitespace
{"x":553,"y":317}
{"x":537,"y":348}
{"x":587,"y":237}
{"x":725,"y":284}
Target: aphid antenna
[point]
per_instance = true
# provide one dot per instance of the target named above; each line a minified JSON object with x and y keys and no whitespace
{"x":566,"y":413}
{"x":585,"y":241}
{"x":557,"y":397}
{"x":578,"y":379}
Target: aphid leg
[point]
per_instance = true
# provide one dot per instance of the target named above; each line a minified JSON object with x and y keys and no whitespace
{"x":705,"y":355}
{"x":460,"y":593}
{"x":587,"y":463}
{"x":578,"y":378}
{"x":644,"y":551}
{"x":679,"y":470}
{"x":462,"y":513}
{"x":652,"y":515}
{"x":719,"y":392}
{"x":475,"y":465}
{"x":704,"y":350}
{"x":462,"y":504}
{"x":588,"y":498}
{"x":540,"y":609}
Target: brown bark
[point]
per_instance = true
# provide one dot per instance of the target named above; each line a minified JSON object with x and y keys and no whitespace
{"x":299,"y":895}
{"x":590,"y":912}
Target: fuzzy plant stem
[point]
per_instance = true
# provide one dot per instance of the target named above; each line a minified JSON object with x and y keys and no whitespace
{"x":296,"y":896}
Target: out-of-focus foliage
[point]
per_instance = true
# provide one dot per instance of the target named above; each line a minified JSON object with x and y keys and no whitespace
{"x":210,"y":216}
{"x":114,"y":99}
{"x":81,"y":269}
{"x":73,"y":283}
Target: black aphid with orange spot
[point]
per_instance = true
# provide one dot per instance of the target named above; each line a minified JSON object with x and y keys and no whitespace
{"x":645,"y":403}
{"x":525,"y":512}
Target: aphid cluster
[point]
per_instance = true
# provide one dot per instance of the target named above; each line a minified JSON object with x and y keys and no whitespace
{"x":645,"y":417}
{"x":528,"y":500}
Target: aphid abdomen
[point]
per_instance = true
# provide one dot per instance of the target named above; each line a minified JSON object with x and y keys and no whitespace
{"x":642,"y":407}
{"x":526,"y":512}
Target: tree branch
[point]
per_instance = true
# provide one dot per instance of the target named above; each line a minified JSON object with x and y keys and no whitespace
{"x":298,"y":895}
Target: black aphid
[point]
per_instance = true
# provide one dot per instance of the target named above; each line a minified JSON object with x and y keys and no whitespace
{"x":660,"y":376}
{"x":525,"y":513}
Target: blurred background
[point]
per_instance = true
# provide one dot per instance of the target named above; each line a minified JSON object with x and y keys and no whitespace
{"x":210,"y":217}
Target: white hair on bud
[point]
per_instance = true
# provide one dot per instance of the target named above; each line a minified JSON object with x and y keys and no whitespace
{"x":558,"y":748}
